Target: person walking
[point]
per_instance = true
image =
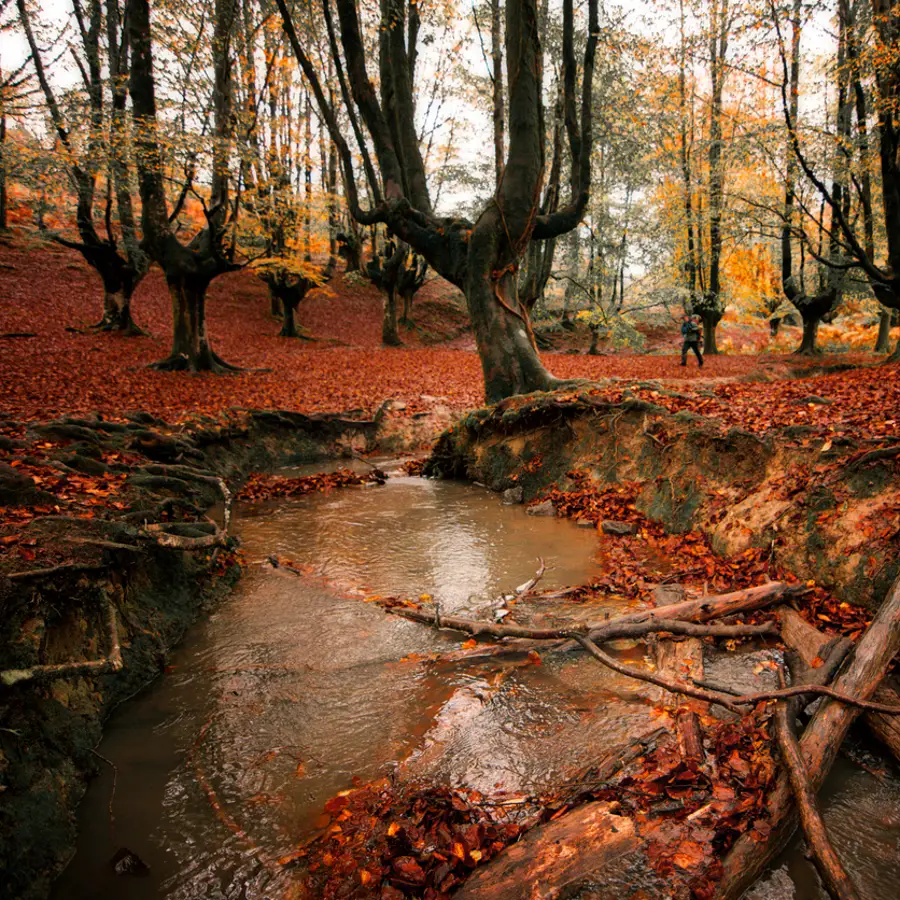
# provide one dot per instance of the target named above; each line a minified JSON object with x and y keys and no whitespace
{"x":690,"y":333}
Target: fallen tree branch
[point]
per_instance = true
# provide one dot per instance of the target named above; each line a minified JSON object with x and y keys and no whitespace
{"x":525,"y":590}
{"x":111,"y":663}
{"x":621,"y":627}
{"x":799,"y":690}
{"x":859,"y":678}
{"x":834,"y":876}
{"x":674,"y":687}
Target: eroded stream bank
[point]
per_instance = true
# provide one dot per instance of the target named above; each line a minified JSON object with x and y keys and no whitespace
{"x":99,"y":516}
{"x":296,"y":689}
{"x":687,"y":474}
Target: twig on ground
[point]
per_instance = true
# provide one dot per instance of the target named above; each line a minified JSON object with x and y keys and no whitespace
{"x":112,"y":793}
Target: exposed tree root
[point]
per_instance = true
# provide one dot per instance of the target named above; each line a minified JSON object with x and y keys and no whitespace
{"x":112,"y":662}
{"x":158,"y":533}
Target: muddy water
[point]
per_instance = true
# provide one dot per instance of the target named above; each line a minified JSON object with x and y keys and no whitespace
{"x":296,"y":687}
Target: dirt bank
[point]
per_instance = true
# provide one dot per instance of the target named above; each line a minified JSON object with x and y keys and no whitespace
{"x":103,"y":518}
{"x":827,"y":507}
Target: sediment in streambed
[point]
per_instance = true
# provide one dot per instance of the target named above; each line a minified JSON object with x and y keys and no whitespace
{"x":826,"y":507}
{"x":76,"y":498}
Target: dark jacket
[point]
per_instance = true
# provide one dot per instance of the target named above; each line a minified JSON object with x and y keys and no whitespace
{"x":691,"y":332}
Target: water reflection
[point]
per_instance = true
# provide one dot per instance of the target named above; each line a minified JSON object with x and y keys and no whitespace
{"x":416,"y":536}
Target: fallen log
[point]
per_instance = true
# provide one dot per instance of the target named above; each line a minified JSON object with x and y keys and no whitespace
{"x":886,"y":727}
{"x":620,"y":627}
{"x":678,"y":660}
{"x":557,"y":858}
{"x":717,"y":606}
{"x":811,"y":644}
{"x":835,"y":878}
{"x":860,"y":676}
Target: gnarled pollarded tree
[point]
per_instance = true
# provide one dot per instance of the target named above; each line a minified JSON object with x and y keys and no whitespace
{"x":188,"y":268}
{"x":121,"y":270}
{"x":876,"y":44}
{"x":481,"y":258}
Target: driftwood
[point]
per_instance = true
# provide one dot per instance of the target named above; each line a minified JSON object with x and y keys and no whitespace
{"x":620,"y":627}
{"x":811,"y":646}
{"x":834,"y":876}
{"x":860,"y":676}
{"x":112,"y":662}
{"x":556,"y":859}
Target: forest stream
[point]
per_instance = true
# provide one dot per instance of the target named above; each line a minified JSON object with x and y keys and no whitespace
{"x":296,"y":688}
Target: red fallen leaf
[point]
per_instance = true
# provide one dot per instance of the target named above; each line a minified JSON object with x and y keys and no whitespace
{"x":470,"y":644}
{"x":408,"y":870}
{"x":817,"y":663}
{"x":336,"y":804}
{"x":391,"y":893}
{"x":688,"y":855}
{"x":534,"y":657}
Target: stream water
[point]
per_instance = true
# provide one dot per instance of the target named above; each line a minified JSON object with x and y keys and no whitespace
{"x":295,"y":687}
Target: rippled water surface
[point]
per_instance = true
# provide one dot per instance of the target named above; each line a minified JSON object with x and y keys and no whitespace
{"x":295,"y":687}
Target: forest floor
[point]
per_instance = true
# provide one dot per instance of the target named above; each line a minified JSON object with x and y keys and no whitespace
{"x":67,"y":368}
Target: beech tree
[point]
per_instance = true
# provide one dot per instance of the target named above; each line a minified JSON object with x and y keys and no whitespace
{"x":188,"y":268}
{"x":120,"y":269}
{"x":482,"y":258}
{"x":878,"y":48}
{"x":811,"y":306}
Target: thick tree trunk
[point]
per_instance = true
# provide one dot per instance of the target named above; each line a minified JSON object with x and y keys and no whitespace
{"x":275,"y":306}
{"x":883,"y":342}
{"x":390,"y":335}
{"x":406,"y":319}
{"x":509,"y":357}
{"x":117,"y":312}
{"x":810,"y":333}
{"x":288,"y":325}
{"x":191,"y":350}
{"x":710,"y":323}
